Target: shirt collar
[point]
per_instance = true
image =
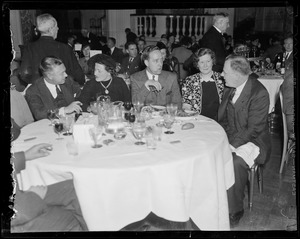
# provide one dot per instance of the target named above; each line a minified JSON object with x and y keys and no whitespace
{"x":51,"y":88}
{"x":240,"y":88}
{"x":150,"y":76}
{"x":218,"y":29}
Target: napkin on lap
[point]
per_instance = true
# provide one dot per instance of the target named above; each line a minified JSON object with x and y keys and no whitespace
{"x":248,"y":152}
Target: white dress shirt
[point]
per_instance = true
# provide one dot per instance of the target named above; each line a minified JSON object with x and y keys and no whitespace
{"x":150,"y":76}
{"x":238,"y":91}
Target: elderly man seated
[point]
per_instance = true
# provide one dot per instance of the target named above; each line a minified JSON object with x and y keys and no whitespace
{"x":54,"y":90}
{"x":153,"y":85}
{"x":243,"y":114}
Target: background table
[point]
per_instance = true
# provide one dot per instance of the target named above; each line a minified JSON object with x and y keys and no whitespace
{"x":121,"y":183}
{"x":272,"y":84}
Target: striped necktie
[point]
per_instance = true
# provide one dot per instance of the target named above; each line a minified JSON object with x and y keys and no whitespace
{"x":232,"y":95}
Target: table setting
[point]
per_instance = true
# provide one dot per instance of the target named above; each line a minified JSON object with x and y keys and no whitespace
{"x":125,"y":170}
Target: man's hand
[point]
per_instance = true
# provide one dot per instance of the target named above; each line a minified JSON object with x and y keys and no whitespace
{"x":39,"y":190}
{"x":74,"y":106}
{"x":37,"y":151}
{"x":153,"y":85}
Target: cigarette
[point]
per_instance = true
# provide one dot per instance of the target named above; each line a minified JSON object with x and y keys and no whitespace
{"x":29,"y":139}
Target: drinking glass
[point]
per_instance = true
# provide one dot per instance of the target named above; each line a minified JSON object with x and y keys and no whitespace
{"x":58,"y":128}
{"x":103,"y":98}
{"x":68,"y":121}
{"x":168,"y":122}
{"x":139,"y":130}
{"x":138,"y":105}
{"x":131,"y":118}
{"x":172,"y":109}
{"x":96,"y":134}
{"x":52,"y":115}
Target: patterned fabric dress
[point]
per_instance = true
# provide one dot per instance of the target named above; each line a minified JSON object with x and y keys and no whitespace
{"x":204,"y":97}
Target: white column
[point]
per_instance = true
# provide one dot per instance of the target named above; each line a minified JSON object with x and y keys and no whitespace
{"x":16,"y":32}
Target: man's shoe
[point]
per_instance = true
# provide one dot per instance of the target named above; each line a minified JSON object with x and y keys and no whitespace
{"x":235,"y":218}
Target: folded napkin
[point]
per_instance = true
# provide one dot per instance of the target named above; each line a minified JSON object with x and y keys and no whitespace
{"x":81,"y":128}
{"x":248,"y":152}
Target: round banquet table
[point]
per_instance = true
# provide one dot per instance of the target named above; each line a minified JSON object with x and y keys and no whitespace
{"x":121,"y":183}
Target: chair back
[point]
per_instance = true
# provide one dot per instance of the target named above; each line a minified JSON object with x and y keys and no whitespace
{"x":285,"y":133}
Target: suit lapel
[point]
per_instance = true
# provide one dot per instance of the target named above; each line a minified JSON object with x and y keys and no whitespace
{"x":46,"y":94}
{"x":223,"y":105}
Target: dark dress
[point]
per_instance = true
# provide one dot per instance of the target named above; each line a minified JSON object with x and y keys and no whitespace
{"x":118,"y":91}
{"x":210,"y":103}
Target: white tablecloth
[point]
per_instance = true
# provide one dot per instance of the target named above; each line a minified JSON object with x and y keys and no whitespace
{"x":272,"y":84}
{"x":121,"y":183}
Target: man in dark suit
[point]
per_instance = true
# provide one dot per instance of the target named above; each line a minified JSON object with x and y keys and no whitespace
{"x":44,"y":208}
{"x":115,"y":53}
{"x":91,"y":39}
{"x":46,"y":45}
{"x":131,"y":63}
{"x":244,"y":119}
{"x":213,"y":39}
{"x":153,"y":85}
{"x":55,"y":90}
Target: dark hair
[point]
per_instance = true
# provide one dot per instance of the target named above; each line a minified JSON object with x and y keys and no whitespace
{"x":85,"y":46}
{"x":127,"y":30}
{"x":161,"y":45}
{"x":127,"y":44}
{"x":163,"y":36}
{"x":107,"y":61}
{"x":103,"y":39}
{"x":148,"y":50}
{"x":185,"y":41}
{"x":202,"y":52}
{"x":113,"y":40}
{"x":48,"y":63}
{"x":239,"y":64}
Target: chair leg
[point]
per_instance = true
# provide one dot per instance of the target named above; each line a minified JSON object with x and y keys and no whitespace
{"x":260,"y":178}
{"x":252,"y":173}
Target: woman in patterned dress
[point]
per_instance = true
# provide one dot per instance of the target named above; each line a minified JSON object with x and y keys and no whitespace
{"x":203,"y":91}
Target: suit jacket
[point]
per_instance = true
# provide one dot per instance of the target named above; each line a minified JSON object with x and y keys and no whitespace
{"x":117,"y":55}
{"x":40,"y":99}
{"x":213,"y":40}
{"x":250,"y":117}
{"x":182,"y":54}
{"x":34,"y":52}
{"x":131,"y":67}
{"x":170,"y":92}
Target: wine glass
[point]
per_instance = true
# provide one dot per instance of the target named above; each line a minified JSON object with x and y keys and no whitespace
{"x":172,"y":109}
{"x":168,"y":122}
{"x":52,"y":114}
{"x":103,"y":98}
{"x":139,"y":130}
{"x":138,"y":105}
{"x":58,"y":128}
{"x":96,"y":134}
{"x":68,"y":122}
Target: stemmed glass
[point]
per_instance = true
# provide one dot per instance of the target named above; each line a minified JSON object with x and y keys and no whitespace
{"x":58,"y":128}
{"x":138,"y":105}
{"x":52,"y":114}
{"x":68,"y":122}
{"x":168,"y":122}
{"x":139,"y":130}
{"x":172,"y":109}
{"x":96,"y":134}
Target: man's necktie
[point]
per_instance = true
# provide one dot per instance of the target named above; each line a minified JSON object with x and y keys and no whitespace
{"x":153,"y":77}
{"x":58,"y":91}
{"x":131,"y":59}
{"x":232,"y":94}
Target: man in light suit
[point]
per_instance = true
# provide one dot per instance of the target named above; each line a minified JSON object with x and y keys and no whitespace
{"x":153,"y":85}
{"x":213,"y":39}
{"x":115,"y":53}
{"x":244,"y":119}
{"x":55,"y":90}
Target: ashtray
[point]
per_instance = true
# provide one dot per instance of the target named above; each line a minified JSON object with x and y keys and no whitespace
{"x":120,"y":135}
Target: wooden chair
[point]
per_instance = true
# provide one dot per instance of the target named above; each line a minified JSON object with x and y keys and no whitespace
{"x":256,"y":168}
{"x":286,"y":143}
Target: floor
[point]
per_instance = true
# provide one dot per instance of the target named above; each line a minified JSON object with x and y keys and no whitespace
{"x":275,"y":208}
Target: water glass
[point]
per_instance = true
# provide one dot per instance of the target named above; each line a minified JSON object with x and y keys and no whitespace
{"x":150,"y":141}
{"x":157,"y":132}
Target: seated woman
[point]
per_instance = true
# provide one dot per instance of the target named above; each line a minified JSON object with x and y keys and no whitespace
{"x":168,"y":62}
{"x":83,"y":61}
{"x":105,"y":83}
{"x":203,"y":91}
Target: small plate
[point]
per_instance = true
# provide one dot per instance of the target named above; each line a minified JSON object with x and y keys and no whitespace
{"x":190,"y":112}
{"x":158,"y":107}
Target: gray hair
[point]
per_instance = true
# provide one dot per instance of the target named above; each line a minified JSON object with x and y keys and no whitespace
{"x":45,"y":23}
{"x":239,"y":64}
